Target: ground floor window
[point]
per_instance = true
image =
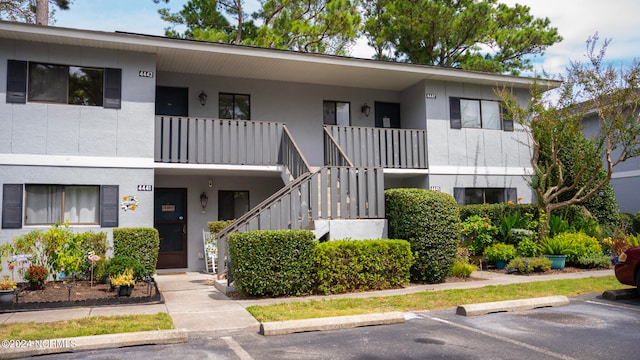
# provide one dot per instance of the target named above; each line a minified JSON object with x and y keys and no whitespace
{"x":468,"y":196}
{"x":232,"y":204}
{"x":49,"y":204}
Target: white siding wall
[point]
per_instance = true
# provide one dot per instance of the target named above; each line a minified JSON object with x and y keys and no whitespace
{"x":57,"y":129}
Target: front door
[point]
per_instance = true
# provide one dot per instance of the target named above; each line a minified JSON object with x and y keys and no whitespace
{"x":172,"y":101}
{"x":387,"y":115}
{"x":170,"y":217}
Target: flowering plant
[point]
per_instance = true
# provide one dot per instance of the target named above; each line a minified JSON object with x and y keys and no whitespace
{"x":7,"y":284}
{"x":500,"y":251}
{"x":478,"y":233}
{"x":36,"y":274}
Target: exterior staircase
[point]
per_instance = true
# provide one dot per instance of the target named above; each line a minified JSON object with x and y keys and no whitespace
{"x":337,"y":190}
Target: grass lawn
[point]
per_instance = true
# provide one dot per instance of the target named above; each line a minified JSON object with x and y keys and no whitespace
{"x":431,"y":300}
{"x":93,"y":325}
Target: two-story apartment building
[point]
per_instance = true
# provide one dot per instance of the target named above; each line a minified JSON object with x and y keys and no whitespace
{"x":125,"y":130}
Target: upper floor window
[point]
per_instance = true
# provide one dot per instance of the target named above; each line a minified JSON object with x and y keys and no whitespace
{"x":479,"y":114}
{"x":63,"y":84}
{"x":336,"y":113}
{"x":234,"y":106}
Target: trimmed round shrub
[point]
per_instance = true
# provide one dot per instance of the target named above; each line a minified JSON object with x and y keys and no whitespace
{"x":360,"y":265}
{"x":430,"y":221}
{"x":272,"y":262}
{"x":118,"y":264}
{"x":139,"y":243}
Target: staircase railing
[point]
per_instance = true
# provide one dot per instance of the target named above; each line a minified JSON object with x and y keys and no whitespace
{"x":331,"y":192}
{"x":333,"y":153}
{"x":291,"y":157}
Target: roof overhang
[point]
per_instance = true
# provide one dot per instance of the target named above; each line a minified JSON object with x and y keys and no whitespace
{"x":217,"y":59}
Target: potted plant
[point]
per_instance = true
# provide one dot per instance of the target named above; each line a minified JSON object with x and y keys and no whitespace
{"x":7,"y":288}
{"x":556,"y":249}
{"x":36,"y":276}
{"x":123,"y":282}
{"x":500,"y":253}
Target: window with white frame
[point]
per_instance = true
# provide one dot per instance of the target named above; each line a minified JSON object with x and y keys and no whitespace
{"x":50,"y":204}
{"x":336,"y":113}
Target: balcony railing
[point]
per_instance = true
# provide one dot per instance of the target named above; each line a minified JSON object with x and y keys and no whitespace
{"x":387,"y":148}
{"x":216,"y":141}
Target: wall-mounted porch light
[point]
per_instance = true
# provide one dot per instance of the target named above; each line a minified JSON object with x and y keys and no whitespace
{"x":204,"y":199}
{"x":366,"y":109}
{"x":203,"y":98}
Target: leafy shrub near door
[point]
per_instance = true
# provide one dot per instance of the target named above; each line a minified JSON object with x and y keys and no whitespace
{"x":142,"y":244}
{"x":430,"y":221}
{"x":118,"y":264}
{"x":272,"y":262}
{"x":360,"y":265}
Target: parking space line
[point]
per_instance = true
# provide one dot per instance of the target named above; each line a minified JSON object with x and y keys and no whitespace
{"x":630,"y":307}
{"x":237,"y":349}
{"x":506,"y":339}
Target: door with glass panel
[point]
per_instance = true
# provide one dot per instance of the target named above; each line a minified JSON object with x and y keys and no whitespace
{"x":171,"y":221}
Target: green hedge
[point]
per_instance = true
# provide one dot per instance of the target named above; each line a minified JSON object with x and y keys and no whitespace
{"x":357,"y":265}
{"x":273,"y":262}
{"x":142,"y":244}
{"x":430,"y":221}
{"x":216,"y":226}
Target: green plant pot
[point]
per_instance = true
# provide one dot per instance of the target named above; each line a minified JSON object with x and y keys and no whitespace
{"x":557,"y":261}
{"x":501,"y":264}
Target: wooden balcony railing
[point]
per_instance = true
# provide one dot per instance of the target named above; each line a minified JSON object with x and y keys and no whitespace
{"x":387,"y":148}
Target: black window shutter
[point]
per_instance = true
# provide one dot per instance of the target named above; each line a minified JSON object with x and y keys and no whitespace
{"x":512,"y":195}
{"x":507,"y":124}
{"x":12,"y":206}
{"x":109,"y":206}
{"x":16,"y":81}
{"x":458,"y":194}
{"x":454,"y":113}
{"x":112,"y":88}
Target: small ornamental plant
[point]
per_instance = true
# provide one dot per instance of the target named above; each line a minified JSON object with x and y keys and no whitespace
{"x":7,"y":284}
{"x":478,"y":233}
{"x":123,"y":279}
{"x":36,"y":275}
{"x":500,"y":251}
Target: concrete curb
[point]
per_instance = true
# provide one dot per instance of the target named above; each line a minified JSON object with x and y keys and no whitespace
{"x":511,"y":305}
{"x":330,"y":323}
{"x":21,"y":349}
{"x":621,"y":294}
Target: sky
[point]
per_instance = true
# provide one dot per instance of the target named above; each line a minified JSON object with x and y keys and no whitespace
{"x":576,"y":20}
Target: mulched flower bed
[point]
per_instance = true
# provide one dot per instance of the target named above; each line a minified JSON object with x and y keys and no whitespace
{"x":57,"y":295}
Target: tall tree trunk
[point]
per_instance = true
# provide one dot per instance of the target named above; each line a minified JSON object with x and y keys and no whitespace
{"x":42,"y":12}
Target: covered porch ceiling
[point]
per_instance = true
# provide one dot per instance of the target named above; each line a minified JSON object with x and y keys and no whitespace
{"x":216,"y":59}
